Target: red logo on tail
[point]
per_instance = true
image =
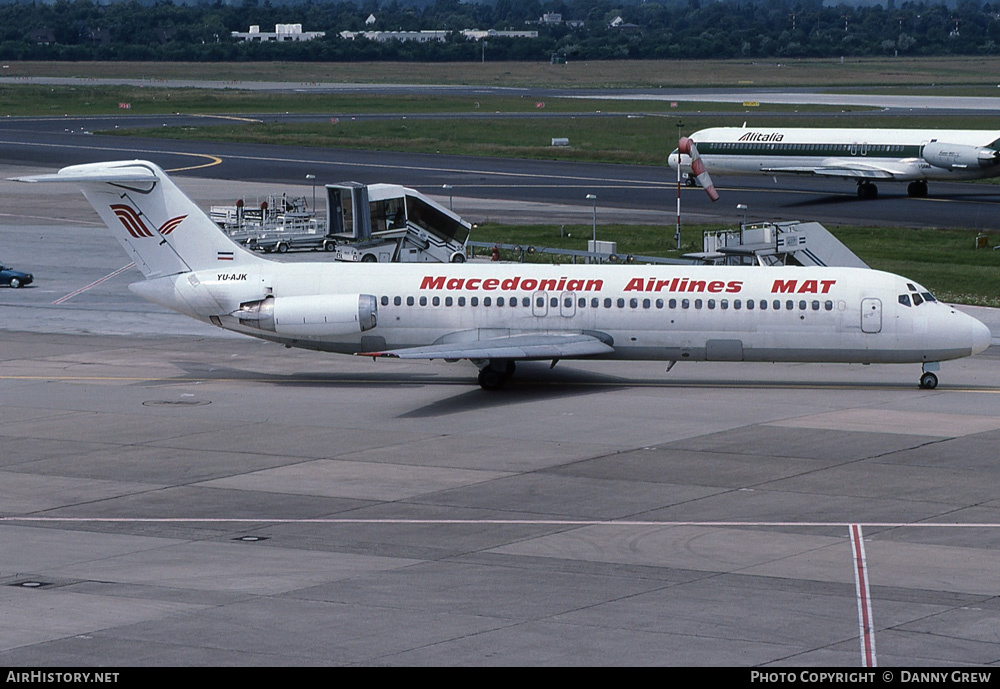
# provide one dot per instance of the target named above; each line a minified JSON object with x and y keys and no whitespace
{"x":171,"y":225}
{"x":135,"y":226}
{"x":131,"y":220}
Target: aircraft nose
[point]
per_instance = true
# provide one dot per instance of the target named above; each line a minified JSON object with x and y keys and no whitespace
{"x":981,"y":335}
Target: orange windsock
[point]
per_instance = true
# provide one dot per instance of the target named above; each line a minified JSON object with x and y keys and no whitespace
{"x":686,"y":146}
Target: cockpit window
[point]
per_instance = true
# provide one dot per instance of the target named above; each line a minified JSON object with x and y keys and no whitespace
{"x":909,"y":286}
{"x":917,"y":299}
{"x":928,"y":296}
{"x":904,"y":299}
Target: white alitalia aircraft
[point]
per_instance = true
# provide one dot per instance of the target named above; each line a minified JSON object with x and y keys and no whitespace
{"x":495,"y":314}
{"x":862,"y":155}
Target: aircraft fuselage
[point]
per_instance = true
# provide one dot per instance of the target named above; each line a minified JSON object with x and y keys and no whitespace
{"x":862,"y":155}
{"x":646,"y":312}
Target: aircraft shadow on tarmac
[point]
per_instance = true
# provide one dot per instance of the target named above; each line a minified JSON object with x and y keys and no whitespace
{"x":840,"y":199}
{"x":533,"y":381}
{"x":516,"y":392}
{"x":529,"y":374}
{"x":830,"y":200}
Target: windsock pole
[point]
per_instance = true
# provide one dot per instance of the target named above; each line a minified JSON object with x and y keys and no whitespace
{"x":685,"y":146}
{"x":677,"y":233}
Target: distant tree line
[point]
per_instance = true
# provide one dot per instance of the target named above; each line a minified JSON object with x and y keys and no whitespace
{"x":603,"y":30}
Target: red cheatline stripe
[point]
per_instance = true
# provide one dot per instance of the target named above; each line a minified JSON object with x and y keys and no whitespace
{"x":867,"y":631}
{"x":60,"y":300}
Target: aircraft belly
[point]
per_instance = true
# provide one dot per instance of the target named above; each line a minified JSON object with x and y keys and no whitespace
{"x":732,"y":164}
{"x":854,"y":356}
{"x":817,"y":345}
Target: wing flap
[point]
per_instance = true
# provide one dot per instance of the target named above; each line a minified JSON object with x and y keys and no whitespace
{"x":515,"y":347}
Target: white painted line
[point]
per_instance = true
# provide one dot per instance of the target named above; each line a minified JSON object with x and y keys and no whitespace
{"x":95,"y":283}
{"x":73,"y":221}
{"x":497,"y":522}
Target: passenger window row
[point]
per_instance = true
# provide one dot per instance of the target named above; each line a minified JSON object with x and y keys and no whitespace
{"x":818,"y":149}
{"x":633,"y":303}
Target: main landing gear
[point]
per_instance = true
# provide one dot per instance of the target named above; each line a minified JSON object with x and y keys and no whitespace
{"x":917,"y":189}
{"x":867,"y":190}
{"x":495,"y":373}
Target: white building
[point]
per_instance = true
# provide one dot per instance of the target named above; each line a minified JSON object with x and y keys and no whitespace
{"x":384,"y":36}
{"x":478,"y":35}
{"x":427,"y":36}
{"x":282,"y":32}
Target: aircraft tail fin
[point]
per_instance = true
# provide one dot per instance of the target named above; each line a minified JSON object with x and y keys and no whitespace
{"x":156,"y":223}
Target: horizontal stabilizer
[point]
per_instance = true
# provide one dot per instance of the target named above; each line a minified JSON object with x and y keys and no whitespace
{"x":97,"y":173}
{"x":515,"y":347}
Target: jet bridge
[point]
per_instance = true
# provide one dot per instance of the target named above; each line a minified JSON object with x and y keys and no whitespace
{"x":390,"y":223}
{"x":770,"y":244}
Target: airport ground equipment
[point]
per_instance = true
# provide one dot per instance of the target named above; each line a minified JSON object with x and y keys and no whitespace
{"x":776,"y":243}
{"x":367,"y":223}
{"x":384,"y":223}
{"x":274,"y":224}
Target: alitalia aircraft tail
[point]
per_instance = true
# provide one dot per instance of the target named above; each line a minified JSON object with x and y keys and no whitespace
{"x":158,"y":225}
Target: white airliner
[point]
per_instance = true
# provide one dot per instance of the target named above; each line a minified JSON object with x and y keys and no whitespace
{"x":494,"y":314}
{"x":862,"y":155}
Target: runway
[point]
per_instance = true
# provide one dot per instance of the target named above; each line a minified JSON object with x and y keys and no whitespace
{"x":174,"y":495}
{"x":847,"y":97}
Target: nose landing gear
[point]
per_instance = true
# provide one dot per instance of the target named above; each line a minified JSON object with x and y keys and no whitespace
{"x":928,"y":380}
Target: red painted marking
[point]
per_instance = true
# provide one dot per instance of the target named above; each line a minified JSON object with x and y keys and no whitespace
{"x":864,"y":599}
{"x":171,"y":225}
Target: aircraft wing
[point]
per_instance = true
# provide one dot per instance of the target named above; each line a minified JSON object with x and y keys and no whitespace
{"x":852,"y":171}
{"x":514,"y":347}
